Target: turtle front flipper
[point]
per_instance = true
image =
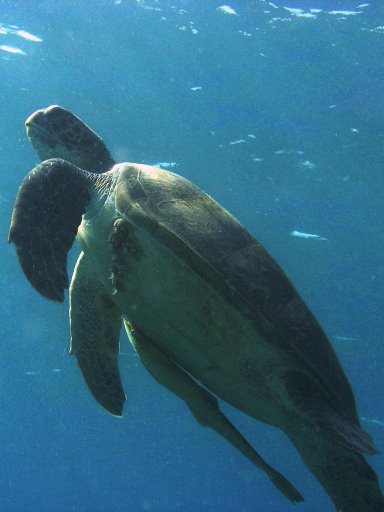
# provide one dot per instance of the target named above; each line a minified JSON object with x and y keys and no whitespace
{"x":48,"y":210}
{"x":95,"y":329}
{"x":203,"y":405}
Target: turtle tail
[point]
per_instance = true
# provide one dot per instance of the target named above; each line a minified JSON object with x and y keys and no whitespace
{"x":47,"y":213}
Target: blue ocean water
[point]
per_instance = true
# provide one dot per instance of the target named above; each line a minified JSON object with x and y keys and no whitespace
{"x":273,"y":108}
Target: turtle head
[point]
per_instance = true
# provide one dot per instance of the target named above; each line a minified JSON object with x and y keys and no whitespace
{"x":57,"y":133}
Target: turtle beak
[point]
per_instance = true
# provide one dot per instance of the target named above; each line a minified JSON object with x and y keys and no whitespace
{"x":38,"y":122}
{"x":34,"y":121}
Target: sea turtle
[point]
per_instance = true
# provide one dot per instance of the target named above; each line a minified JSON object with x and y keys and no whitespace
{"x":208,"y":311}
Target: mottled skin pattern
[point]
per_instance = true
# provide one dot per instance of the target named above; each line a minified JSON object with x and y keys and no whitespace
{"x":197,"y":293}
{"x":57,"y":133}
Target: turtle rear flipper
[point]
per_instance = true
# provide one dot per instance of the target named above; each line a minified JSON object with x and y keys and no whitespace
{"x":47,"y":213}
{"x":203,"y":405}
{"x":308,"y":397}
{"x":346,"y":476}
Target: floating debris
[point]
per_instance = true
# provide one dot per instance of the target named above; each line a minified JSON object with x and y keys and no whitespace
{"x":226,"y":9}
{"x":308,"y":236}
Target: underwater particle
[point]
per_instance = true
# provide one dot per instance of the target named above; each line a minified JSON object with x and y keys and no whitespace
{"x":257,"y":159}
{"x":240,"y":141}
{"x":26,"y":35}
{"x":3,"y":199}
{"x":373,"y":420}
{"x":355,"y":130}
{"x":346,"y":338}
{"x":308,"y":236}
{"x":306,"y":164}
{"x":12,"y":49}
{"x":246,"y":34}
{"x":197,"y":88}
{"x":166,"y":165}
{"x":251,"y":136}
{"x":226,"y":9}
{"x":362,"y":5}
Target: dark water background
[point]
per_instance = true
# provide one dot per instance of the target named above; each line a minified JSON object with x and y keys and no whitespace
{"x":305,"y":94}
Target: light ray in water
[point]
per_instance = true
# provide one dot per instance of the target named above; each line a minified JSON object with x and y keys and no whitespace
{"x":12,"y":49}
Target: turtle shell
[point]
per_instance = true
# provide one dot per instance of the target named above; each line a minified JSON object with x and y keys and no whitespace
{"x":211,"y":240}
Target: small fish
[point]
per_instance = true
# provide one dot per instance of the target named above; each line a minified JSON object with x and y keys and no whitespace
{"x":299,"y":234}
